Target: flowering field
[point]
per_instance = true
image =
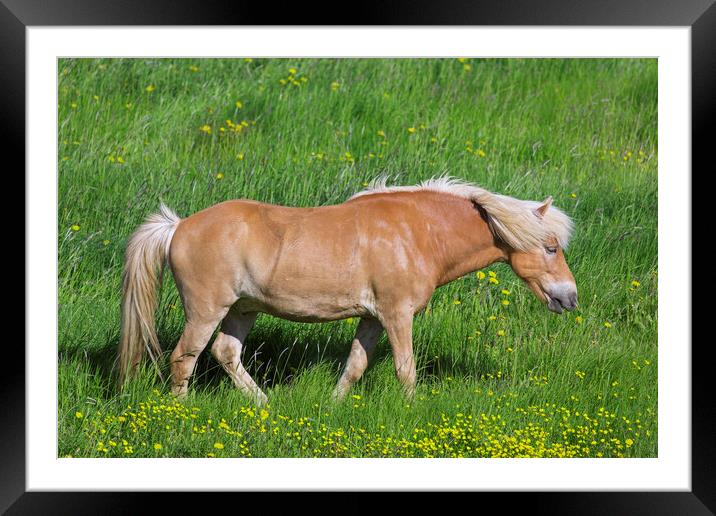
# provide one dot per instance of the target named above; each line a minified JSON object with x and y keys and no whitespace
{"x":498,"y":374}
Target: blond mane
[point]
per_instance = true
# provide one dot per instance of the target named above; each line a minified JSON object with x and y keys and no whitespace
{"x":512,"y":220}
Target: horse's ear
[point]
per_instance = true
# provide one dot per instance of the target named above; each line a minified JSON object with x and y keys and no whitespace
{"x":543,"y":209}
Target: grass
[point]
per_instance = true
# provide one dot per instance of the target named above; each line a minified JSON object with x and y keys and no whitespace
{"x":133,"y":132}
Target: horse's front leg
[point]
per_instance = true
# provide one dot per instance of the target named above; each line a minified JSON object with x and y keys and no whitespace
{"x":399,"y":327}
{"x":364,"y":342}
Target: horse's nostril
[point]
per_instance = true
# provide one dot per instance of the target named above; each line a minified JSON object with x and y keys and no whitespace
{"x":562,"y":295}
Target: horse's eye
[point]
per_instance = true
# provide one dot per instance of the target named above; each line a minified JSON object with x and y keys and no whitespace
{"x":551,"y":250}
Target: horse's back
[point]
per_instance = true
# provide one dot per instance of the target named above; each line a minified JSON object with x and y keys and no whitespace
{"x":316,"y":263}
{"x":276,"y":256}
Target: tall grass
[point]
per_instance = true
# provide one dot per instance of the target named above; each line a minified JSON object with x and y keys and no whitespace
{"x":134,"y":132}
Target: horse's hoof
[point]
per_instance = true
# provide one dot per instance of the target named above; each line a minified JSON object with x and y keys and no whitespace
{"x":179,"y":392}
{"x":338,"y":395}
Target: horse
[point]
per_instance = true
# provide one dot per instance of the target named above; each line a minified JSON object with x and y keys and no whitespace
{"x":378,"y":256}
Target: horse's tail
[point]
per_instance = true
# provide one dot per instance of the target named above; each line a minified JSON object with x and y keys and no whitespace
{"x":144,"y":260}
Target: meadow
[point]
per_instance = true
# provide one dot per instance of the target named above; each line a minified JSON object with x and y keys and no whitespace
{"x":498,"y":374}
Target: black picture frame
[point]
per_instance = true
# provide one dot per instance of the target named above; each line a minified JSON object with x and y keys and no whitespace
{"x":699,"y":15}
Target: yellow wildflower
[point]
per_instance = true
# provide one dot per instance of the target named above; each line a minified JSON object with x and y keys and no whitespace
{"x":157,"y":446}
{"x":480,"y":275}
{"x":150,"y":88}
{"x":75,"y":227}
{"x":219,"y":176}
{"x":78,"y":414}
{"x":411,"y":130}
{"x":579,"y":319}
{"x":239,"y":105}
{"x":206,"y":128}
{"x":218,"y":446}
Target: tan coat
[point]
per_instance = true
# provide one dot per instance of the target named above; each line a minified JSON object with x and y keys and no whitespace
{"x":379,"y":257}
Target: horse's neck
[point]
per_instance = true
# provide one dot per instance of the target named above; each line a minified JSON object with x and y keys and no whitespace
{"x":466,"y":242}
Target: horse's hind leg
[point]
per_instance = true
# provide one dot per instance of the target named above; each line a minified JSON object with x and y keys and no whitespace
{"x":197,"y":333}
{"x":227,"y":350}
{"x":367,"y":335}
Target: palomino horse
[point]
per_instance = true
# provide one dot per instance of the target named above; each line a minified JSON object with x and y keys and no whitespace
{"x":378,"y":256}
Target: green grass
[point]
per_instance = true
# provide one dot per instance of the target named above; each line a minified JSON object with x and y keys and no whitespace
{"x":583,"y":131}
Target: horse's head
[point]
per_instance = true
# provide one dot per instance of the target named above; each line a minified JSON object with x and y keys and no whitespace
{"x":545,"y":269}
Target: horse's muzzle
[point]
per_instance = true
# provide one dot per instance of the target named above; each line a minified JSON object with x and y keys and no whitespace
{"x":562,"y":298}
